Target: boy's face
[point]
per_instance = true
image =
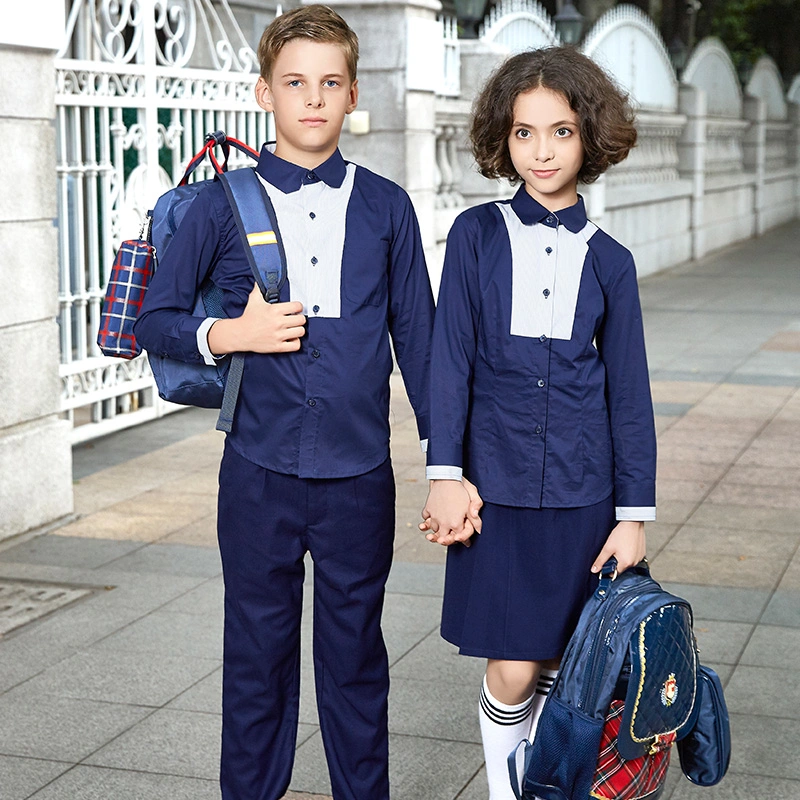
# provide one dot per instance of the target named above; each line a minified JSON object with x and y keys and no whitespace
{"x":545,"y":147}
{"x":309,"y":93}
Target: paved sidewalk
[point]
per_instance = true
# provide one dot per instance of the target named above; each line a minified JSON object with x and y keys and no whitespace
{"x":116,"y":695}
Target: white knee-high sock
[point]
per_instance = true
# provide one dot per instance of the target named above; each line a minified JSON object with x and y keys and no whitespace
{"x":503,"y":727}
{"x":543,"y":685}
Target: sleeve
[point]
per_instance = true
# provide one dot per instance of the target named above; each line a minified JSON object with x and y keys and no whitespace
{"x":166,"y":324}
{"x":453,"y":351}
{"x":411,"y":309}
{"x":620,"y":342}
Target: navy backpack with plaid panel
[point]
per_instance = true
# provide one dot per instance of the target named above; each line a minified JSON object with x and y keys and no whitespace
{"x":634,"y":642}
{"x":208,"y":386}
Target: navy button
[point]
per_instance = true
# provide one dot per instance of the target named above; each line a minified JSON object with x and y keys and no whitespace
{"x":313,"y":259}
{"x":315,"y":309}
{"x":540,"y":383}
{"x":550,"y":219}
{"x":546,"y":293}
{"x":548,"y":250}
{"x":315,"y":353}
{"x":539,"y":429}
{"x":542,"y":338}
{"x":312,"y":215}
{"x":311,"y":176}
{"x":312,"y":402}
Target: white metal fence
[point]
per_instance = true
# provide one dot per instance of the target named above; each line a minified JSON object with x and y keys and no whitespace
{"x":138,"y":85}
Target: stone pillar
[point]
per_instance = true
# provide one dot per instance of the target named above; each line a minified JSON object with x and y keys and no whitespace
{"x":35,"y":453}
{"x":794,"y":154}
{"x":754,"y":152}
{"x":478,"y":60}
{"x":399,"y":66}
{"x":692,"y":159}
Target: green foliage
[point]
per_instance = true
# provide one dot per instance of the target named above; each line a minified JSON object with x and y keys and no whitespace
{"x":752,"y":28}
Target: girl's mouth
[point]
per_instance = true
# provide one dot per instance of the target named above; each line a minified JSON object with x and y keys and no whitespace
{"x":544,"y":173}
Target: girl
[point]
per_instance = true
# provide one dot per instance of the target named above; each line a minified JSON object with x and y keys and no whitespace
{"x":540,"y":391}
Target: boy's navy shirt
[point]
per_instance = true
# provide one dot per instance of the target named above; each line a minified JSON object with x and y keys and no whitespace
{"x":323,"y":411}
{"x":540,"y":388}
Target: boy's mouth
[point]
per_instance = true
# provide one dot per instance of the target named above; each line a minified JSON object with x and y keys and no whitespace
{"x":313,"y":122}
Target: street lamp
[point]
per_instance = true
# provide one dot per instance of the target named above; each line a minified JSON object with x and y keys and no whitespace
{"x":470,"y":14}
{"x":678,"y":54}
{"x":569,"y":23}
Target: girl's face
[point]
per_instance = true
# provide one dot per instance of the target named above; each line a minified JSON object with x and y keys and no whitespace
{"x":545,"y":147}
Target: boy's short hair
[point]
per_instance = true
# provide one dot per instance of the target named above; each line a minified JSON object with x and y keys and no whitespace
{"x":317,"y":22}
{"x":604,"y":113}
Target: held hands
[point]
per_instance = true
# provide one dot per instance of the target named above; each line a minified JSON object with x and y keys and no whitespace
{"x":262,"y":328}
{"x":452,"y":512}
{"x":626,"y":543}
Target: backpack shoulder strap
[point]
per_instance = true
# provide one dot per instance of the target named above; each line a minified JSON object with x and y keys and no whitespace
{"x":258,"y":227}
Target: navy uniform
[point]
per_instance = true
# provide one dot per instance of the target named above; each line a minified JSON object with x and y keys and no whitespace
{"x":306,"y":467}
{"x":541,"y":397}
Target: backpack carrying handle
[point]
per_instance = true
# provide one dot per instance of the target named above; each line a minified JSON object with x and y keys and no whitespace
{"x":212,"y":139}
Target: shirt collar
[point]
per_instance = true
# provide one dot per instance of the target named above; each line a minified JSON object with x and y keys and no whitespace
{"x":290,"y":177}
{"x":530,"y":211}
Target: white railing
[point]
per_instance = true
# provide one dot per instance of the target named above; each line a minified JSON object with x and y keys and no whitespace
{"x":451,"y":80}
{"x":131,"y":111}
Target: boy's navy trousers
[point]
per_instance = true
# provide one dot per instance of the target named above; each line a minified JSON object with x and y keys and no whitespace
{"x":266,"y":523}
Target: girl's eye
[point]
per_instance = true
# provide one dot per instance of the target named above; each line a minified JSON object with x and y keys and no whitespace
{"x":523,"y":133}
{"x":562,"y":133}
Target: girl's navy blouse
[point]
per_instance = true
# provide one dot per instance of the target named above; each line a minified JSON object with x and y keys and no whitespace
{"x":539,"y":381}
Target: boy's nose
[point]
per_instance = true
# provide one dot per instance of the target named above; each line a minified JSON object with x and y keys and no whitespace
{"x":314,"y":100}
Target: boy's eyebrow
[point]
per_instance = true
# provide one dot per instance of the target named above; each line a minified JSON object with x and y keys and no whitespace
{"x":302,"y":75}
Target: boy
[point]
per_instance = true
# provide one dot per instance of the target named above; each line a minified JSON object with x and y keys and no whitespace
{"x":309,"y":449}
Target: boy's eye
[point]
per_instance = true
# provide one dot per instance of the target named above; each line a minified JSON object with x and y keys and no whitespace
{"x":331,"y":84}
{"x":295,"y":82}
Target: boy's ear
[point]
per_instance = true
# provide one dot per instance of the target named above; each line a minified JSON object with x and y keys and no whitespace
{"x":353,"y":99}
{"x":263,"y":94}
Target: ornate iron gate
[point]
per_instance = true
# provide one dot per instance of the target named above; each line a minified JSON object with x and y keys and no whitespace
{"x":138,"y":85}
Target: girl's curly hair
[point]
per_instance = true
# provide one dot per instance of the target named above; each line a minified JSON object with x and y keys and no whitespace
{"x":605,"y":116}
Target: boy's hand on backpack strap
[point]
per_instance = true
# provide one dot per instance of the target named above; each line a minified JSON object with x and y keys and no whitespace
{"x":626,"y":543}
{"x":262,"y":328}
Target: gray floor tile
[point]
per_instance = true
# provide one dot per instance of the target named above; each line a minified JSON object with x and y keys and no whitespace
{"x":740,"y":787}
{"x":765,"y":691}
{"x":142,"y":591}
{"x":477,"y":788}
{"x":721,"y":642}
{"x":783,"y":609}
{"x":146,"y":679}
{"x":434,"y":657}
{"x":310,"y":773}
{"x":206,"y":599}
{"x":172,"y":559}
{"x":109,"y":451}
{"x":773,"y":646}
{"x":436,"y":707}
{"x":407,"y":578}
{"x":205,"y":695}
{"x":21,"y":777}
{"x":171,"y":742}
{"x":721,"y":602}
{"x":407,"y":620}
{"x":96,"y":783}
{"x":59,"y":728}
{"x":68,"y":551}
{"x":765,"y":746}
{"x":169,"y":634}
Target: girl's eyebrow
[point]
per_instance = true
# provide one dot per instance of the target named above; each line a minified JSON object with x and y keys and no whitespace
{"x":561,"y":124}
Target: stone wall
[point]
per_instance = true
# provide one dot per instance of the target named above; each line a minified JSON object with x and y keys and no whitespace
{"x":35,"y":455}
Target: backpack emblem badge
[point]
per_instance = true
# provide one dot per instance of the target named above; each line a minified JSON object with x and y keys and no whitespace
{"x":669,"y":691}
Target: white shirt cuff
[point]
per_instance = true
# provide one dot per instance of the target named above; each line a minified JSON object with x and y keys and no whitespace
{"x":636,"y":513}
{"x":423,"y":443}
{"x":443,"y":473}
{"x":202,"y":341}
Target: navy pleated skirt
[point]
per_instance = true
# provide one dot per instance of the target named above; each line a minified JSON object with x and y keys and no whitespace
{"x":518,"y":591}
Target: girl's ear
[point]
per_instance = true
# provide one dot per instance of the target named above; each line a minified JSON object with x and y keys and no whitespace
{"x":263,"y":94}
